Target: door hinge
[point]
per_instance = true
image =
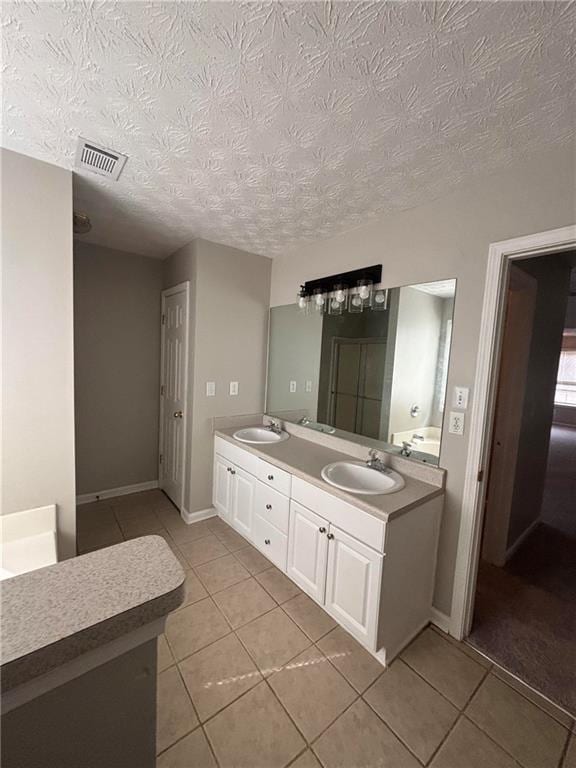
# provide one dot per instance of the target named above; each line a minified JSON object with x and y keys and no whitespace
{"x":161,"y":458}
{"x":163,"y":319}
{"x":162,"y":389}
{"x":480,"y":475}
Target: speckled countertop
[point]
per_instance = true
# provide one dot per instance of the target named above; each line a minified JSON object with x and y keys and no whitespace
{"x":306,"y":459}
{"x":55,"y":614}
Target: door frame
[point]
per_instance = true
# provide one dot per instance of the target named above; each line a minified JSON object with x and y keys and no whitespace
{"x":183,"y":287}
{"x":500,"y":256}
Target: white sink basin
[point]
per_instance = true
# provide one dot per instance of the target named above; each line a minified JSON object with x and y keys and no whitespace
{"x":356,"y":477}
{"x":259,"y":435}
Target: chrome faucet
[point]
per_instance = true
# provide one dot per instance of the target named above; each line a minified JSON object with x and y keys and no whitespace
{"x":304,"y":421}
{"x":375,"y":462}
{"x":406,"y":448}
{"x":275,"y":427}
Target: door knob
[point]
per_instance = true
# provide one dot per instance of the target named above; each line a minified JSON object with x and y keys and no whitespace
{"x":330,"y":536}
{"x":322,"y":530}
{"x":177,"y":414}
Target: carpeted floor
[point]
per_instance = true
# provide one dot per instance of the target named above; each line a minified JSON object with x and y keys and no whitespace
{"x":525,"y":613}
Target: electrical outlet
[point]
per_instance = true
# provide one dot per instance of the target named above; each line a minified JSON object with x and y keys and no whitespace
{"x":210,"y":388}
{"x":456,"y":423}
{"x":233,"y":388}
{"x":308,"y":386}
{"x":460,"y":399}
{"x":292,"y":386}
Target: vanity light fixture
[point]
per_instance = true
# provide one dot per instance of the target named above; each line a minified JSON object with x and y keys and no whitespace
{"x":337,"y":293}
{"x":361,"y":296}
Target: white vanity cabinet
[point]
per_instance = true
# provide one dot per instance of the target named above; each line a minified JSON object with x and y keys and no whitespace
{"x":374,"y":576}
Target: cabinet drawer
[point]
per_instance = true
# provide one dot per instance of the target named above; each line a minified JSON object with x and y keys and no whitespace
{"x":362,"y":525}
{"x":272,"y":506}
{"x":235,"y":454}
{"x":270,"y":541}
{"x":274,"y":477}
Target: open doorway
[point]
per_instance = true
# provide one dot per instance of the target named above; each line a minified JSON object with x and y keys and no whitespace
{"x":525,"y":603}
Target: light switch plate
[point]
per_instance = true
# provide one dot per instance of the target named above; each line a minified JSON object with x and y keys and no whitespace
{"x":292,"y":386}
{"x":308,"y":386}
{"x":460,"y":399}
{"x":456,"y":423}
{"x":233,"y":388}
{"x":210,"y":388}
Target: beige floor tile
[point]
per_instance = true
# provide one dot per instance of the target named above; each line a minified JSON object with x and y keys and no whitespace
{"x":276,"y":584}
{"x":464,"y":647}
{"x":254,"y":732}
{"x":520,"y":727}
{"x":312,"y":691}
{"x":232,"y":540}
{"x":309,"y":616}
{"x":360,"y":739}
{"x":176,"y":716}
{"x":165,"y":658}
{"x":533,"y":696}
{"x":94,"y":517}
{"x":193,"y":751}
{"x":193,"y":589}
{"x":570,"y":758}
{"x":467,"y":747}
{"x":444,"y":666}
{"x":202,"y":550}
{"x":417,"y":713}
{"x":358,"y":666}
{"x":306,"y":760}
{"x":194,"y":627}
{"x":252,"y":560}
{"x":218,"y":674}
{"x":272,"y":640}
{"x":142,"y":525}
{"x":243,"y":602}
{"x":181,"y":531}
{"x":98,"y":539}
{"x":217,"y":524}
{"x":221,"y":573}
{"x":135,"y":504}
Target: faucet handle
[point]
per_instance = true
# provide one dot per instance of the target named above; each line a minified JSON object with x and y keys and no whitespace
{"x":372,"y":453}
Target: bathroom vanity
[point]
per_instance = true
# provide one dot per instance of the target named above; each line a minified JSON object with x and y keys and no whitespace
{"x":368,"y":560}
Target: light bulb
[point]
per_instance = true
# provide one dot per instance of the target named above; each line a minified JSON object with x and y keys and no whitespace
{"x":379,"y":298}
{"x":364,"y":292}
{"x":302,"y":302}
{"x":357,"y":300}
{"x":340,"y":296}
{"x":319,"y":299}
{"x":335,"y":303}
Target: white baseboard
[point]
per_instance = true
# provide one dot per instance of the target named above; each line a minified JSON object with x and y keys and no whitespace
{"x":522,"y":538}
{"x":110,"y":493}
{"x":440,"y":620}
{"x":195,"y":517}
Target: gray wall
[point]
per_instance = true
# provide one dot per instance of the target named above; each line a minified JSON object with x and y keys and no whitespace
{"x":117,"y":367}
{"x":447,"y":238}
{"x":553,"y":276}
{"x":229,"y":305}
{"x":293,"y":355}
{"x":37,"y":342}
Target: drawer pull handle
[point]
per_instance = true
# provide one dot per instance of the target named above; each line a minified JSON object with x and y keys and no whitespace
{"x":268,"y":506}
{"x":322,"y":529}
{"x":270,"y":477}
{"x":330,"y":536}
{"x":266,"y":541}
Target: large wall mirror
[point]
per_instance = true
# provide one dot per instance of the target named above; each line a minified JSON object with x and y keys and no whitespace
{"x":378,"y":377}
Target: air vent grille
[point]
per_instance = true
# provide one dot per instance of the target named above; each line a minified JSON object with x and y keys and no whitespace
{"x":97,"y":159}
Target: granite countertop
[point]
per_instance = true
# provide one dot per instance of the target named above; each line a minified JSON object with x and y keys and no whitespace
{"x":306,"y":459}
{"x":53,"y":615}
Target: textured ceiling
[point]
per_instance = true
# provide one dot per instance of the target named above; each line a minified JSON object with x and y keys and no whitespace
{"x":263,"y":125}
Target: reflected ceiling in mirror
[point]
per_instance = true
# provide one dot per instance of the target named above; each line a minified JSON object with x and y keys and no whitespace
{"x":377,"y":377}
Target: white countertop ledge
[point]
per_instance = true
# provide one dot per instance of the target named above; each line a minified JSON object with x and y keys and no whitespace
{"x":55,"y":614}
{"x":306,"y":459}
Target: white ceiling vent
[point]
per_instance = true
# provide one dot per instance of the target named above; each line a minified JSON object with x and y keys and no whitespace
{"x":97,"y":159}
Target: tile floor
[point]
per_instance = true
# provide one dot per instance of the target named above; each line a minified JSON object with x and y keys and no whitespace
{"x":253,"y":674}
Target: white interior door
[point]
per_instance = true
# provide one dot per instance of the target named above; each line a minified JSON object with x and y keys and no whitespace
{"x":173,"y":391}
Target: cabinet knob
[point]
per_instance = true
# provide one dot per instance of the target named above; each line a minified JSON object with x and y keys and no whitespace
{"x":266,"y":541}
{"x":228,"y":469}
{"x":330,"y":536}
{"x":322,"y":530}
{"x":232,"y":471}
{"x":268,"y":506}
{"x":270,"y":477}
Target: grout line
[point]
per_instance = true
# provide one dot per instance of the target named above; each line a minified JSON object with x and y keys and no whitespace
{"x":491,"y":738}
{"x":445,"y":739}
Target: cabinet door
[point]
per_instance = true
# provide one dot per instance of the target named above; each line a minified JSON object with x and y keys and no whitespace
{"x":242,"y":501}
{"x":353,"y":586}
{"x":307,"y":549}
{"x":222,"y":487}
